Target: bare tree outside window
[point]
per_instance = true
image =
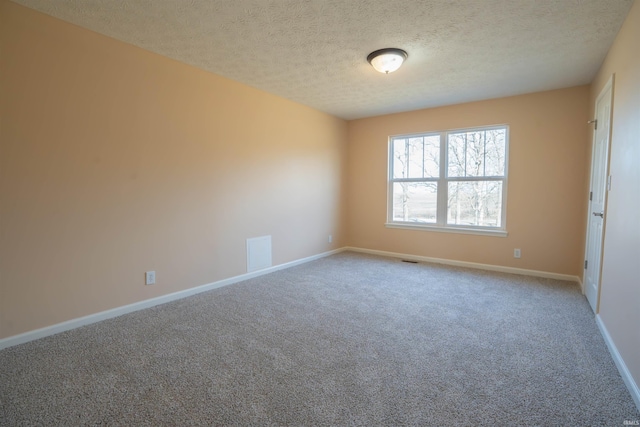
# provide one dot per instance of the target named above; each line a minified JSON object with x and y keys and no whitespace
{"x":416,"y":163}
{"x":476,"y":154}
{"x":452,"y":178}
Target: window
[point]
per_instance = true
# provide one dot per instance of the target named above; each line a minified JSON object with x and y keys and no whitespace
{"x":449,"y":181}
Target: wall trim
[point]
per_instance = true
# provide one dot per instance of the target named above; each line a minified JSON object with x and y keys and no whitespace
{"x":633,"y":388}
{"x":490,"y":267}
{"x":581,"y":283}
{"x":141,"y":305}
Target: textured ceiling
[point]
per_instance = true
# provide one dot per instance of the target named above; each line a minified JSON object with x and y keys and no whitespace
{"x":314,"y":51}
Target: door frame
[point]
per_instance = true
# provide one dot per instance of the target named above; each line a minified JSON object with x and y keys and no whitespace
{"x":608,"y":85}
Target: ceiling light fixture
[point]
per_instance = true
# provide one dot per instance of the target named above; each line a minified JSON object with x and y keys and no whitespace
{"x":387,"y":60}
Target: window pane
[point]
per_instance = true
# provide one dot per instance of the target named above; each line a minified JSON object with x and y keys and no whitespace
{"x":417,"y":157}
{"x":476,"y":153}
{"x":477,"y":203}
{"x":415,"y":201}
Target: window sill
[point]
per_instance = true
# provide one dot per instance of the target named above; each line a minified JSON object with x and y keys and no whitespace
{"x":457,"y":230}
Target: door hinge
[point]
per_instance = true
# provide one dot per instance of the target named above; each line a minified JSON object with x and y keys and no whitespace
{"x":585,"y":264}
{"x":609,"y":183}
{"x":590,"y":195}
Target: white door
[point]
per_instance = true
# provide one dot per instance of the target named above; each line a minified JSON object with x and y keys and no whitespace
{"x":598,"y":195}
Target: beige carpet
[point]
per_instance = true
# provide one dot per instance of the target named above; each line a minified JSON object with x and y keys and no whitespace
{"x":345,"y":340}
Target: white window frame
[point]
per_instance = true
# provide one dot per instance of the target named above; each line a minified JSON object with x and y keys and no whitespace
{"x":443,"y":187}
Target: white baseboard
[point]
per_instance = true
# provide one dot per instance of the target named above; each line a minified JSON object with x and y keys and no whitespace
{"x":634,"y":390}
{"x":479,"y":266}
{"x":119,"y":311}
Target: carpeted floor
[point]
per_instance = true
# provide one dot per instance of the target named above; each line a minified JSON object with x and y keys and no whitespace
{"x":346,"y":340}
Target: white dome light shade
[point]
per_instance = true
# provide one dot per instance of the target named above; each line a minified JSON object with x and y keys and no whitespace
{"x":387,"y":60}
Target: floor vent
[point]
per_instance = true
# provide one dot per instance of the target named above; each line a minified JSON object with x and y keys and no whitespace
{"x":410,"y":261}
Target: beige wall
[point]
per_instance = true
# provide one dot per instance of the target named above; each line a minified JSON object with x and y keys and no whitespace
{"x":545,"y":205}
{"x":620,"y":289}
{"x":115,"y":161}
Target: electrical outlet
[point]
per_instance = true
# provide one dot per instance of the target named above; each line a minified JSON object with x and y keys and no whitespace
{"x":330,"y":238}
{"x":516,"y":253}
{"x":150,"y":277}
